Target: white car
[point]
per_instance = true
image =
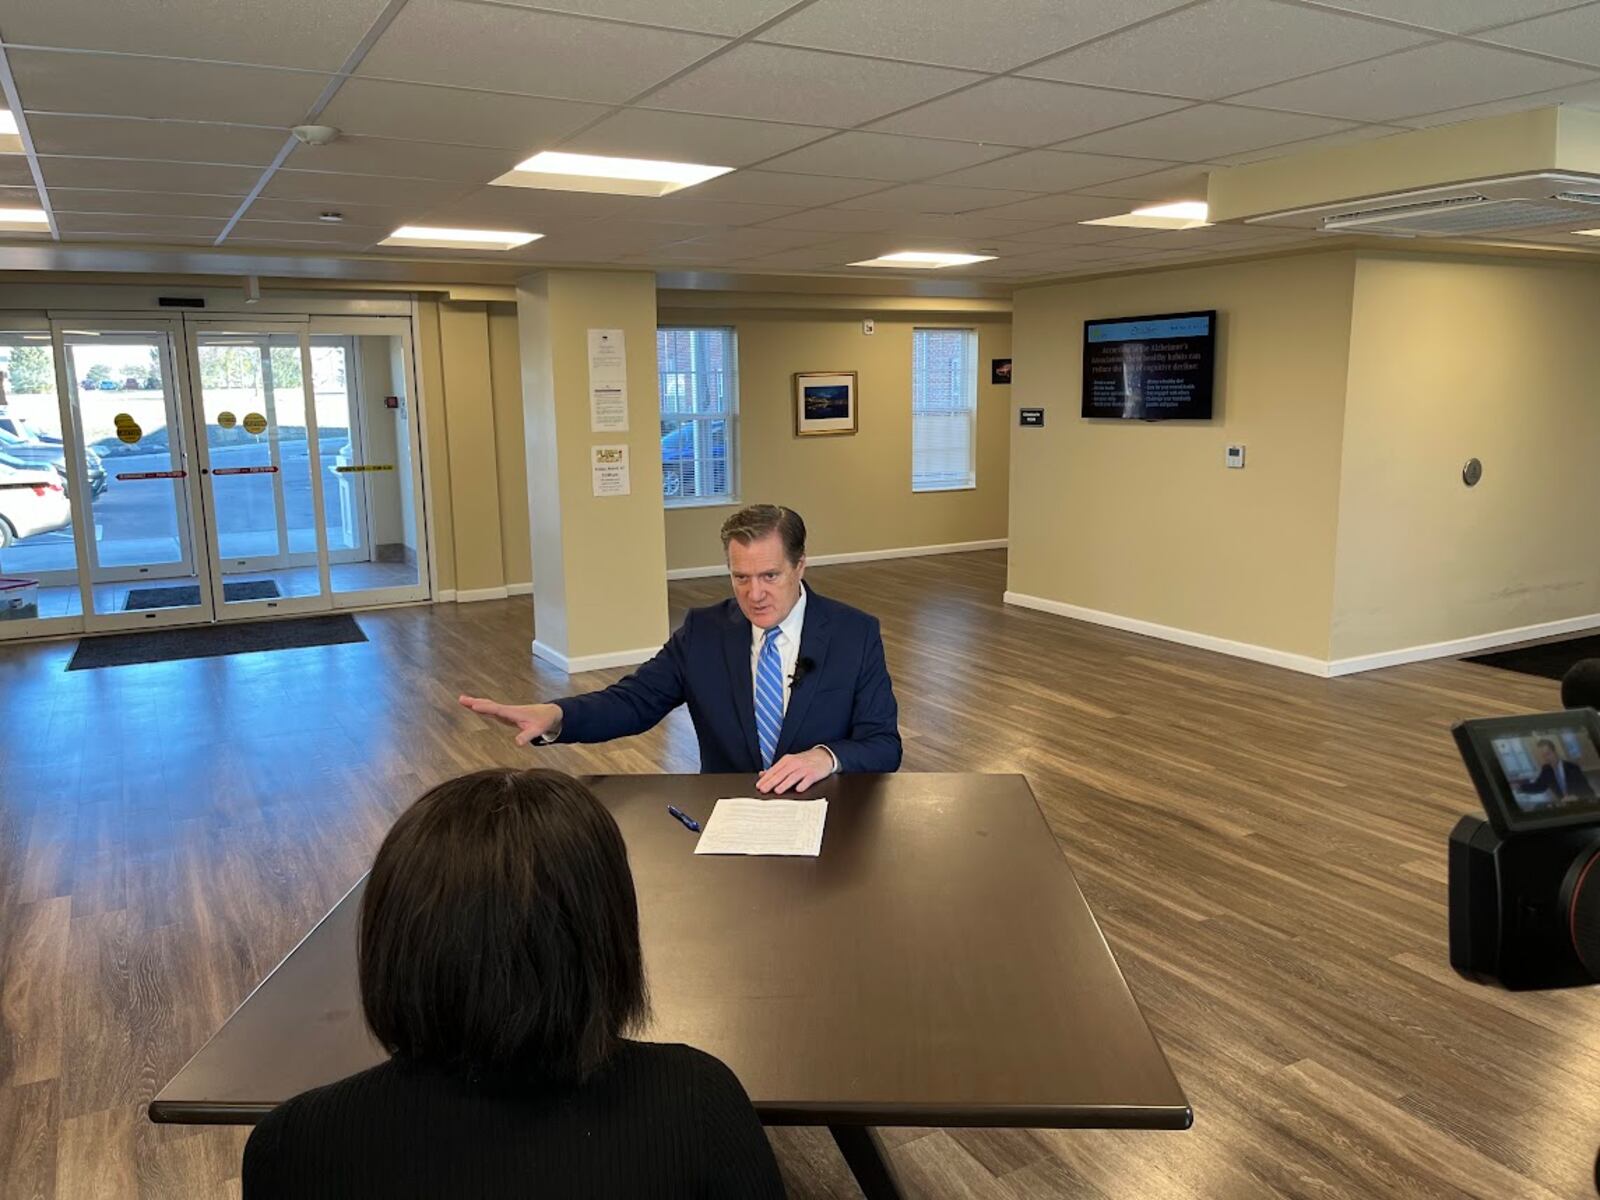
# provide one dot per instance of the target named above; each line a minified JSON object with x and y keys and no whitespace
{"x":32,"y":501}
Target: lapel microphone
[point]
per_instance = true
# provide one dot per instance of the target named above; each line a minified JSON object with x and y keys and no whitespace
{"x":801,"y":670}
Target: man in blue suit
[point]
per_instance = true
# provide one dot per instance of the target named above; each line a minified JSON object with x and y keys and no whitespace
{"x":780,"y":682}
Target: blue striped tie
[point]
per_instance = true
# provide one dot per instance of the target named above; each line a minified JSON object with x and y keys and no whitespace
{"x":769,"y":697}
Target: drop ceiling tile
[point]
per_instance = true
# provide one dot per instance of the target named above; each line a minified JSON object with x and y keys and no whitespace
{"x":538,"y":53}
{"x":885,"y":156}
{"x":14,"y":171}
{"x":1225,"y":46}
{"x":165,"y":204}
{"x":312,"y":34}
{"x":1074,"y":234}
{"x":152,"y":226}
{"x":1577,"y":95}
{"x":1360,"y":133}
{"x":741,"y":243}
{"x":114,"y":85}
{"x":691,"y":137}
{"x":691,"y":210}
{"x":781,"y":187}
{"x":144,"y":240}
{"x":250,"y":231}
{"x":173,"y":141}
{"x":382,"y":108}
{"x":834,"y":220}
{"x":414,"y":160}
{"x":1059,"y":208}
{"x":1205,"y":132}
{"x":546,"y":208}
{"x":706,"y":16}
{"x":1025,"y":112}
{"x":21,"y":197}
{"x":1177,"y":183}
{"x":934,"y":198}
{"x":1574,"y":34}
{"x":780,"y":84}
{"x":981,"y":226}
{"x":387,"y":215}
{"x":1449,"y":16}
{"x":359,"y":189}
{"x":1050,"y":171}
{"x":958,"y":33}
{"x":1428,"y":79}
{"x":133,"y":175}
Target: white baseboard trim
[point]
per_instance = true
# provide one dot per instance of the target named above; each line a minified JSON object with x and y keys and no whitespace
{"x":445,"y":596}
{"x":470,"y":595}
{"x":519,"y":589}
{"x":829,"y":560}
{"x":1302,"y":663}
{"x":1460,"y":646}
{"x":592,"y":662}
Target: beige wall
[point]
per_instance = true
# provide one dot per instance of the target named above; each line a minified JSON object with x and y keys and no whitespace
{"x":1451,"y":360}
{"x":854,"y":492}
{"x":1144,"y":521}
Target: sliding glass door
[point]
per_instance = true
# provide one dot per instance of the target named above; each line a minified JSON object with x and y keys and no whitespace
{"x":190,"y":469}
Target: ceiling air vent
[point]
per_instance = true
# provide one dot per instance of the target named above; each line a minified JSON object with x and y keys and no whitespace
{"x":1457,"y":215}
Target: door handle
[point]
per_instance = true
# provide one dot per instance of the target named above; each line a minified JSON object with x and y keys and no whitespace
{"x":205,"y":470}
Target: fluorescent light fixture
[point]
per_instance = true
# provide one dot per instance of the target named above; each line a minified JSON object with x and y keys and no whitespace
{"x":1182,"y":214}
{"x":923,"y":260}
{"x":24,"y":220}
{"x":8,"y":121}
{"x":1587,"y":232}
{"x":36,"y":337}
{"x":563,"y":172}
{"x":458,"y":239}
{"x":10,"y":138}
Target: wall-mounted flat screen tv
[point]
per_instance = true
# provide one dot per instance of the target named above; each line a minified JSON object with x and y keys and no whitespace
{"x":1150,"y":368}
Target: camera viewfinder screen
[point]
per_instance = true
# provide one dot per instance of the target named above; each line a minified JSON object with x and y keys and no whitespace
{"x":1551,"y":771}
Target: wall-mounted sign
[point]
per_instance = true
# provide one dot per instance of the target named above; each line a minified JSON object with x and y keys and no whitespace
{"x":1030,"y":417}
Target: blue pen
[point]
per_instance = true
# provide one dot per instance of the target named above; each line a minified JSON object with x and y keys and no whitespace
{"x":689,"y":822}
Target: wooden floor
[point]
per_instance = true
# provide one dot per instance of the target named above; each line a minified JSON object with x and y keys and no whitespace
{"x":1265,"y":851}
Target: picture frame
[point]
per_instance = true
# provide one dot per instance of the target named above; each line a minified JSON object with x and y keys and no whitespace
{"x":1000,"y":370}
{"x":825,"y":403}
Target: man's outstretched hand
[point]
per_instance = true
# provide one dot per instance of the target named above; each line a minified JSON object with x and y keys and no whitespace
{"x":796,"y":772}
{"x":529,"y":720}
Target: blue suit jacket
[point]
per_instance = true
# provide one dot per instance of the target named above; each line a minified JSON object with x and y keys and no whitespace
{"x":843,"y":700}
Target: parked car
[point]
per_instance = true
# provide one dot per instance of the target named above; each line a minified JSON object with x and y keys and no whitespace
{"x":678,"y":463}
{"x":32,"y":501}
{"x":42,"y":452}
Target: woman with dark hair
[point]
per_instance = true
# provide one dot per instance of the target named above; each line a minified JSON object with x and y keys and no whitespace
{"x":500,"y":966}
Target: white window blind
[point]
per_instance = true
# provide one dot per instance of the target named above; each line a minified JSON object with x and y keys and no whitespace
{"x":944,"y":406}
{"x":699,"y":416}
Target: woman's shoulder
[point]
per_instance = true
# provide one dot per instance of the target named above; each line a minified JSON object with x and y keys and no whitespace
{"x":673,"y":1060}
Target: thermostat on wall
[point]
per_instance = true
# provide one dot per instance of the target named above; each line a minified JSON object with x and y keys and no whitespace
{"x":1236,"y":457}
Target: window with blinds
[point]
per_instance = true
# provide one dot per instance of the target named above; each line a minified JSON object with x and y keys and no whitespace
{"x":944,"y":409}
{"x":699,"y":416}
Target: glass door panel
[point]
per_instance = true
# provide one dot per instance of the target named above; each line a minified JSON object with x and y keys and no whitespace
{"x":132,"y":475}
{"x":39,"y":583}
{"x":362,"y":386}
{"x":260,"y":485}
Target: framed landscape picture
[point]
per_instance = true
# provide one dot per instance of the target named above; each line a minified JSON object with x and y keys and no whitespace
{"x":824,"y":403}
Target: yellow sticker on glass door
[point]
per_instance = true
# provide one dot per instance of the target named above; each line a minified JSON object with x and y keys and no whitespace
{"x":255,"y":423}
{"x":226,"y":420}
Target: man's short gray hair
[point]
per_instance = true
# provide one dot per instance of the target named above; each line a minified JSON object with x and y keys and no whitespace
{"x":758,"y":520}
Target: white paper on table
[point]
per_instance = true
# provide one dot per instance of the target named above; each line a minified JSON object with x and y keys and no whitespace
{"x":750,"y":826}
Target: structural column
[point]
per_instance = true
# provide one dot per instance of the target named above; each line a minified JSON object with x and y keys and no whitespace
{"x":599,"y":560}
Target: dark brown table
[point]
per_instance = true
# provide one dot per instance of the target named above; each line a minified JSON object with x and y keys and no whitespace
{"x":936,"y":965}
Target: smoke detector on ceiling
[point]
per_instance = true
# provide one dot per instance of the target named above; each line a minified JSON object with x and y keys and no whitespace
{"x":315,"y":135}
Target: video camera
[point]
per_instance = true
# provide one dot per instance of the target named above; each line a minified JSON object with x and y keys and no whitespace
{"x":1524,"y":884}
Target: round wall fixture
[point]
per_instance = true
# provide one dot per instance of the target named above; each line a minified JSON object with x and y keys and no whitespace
{"x":1472,"y":472}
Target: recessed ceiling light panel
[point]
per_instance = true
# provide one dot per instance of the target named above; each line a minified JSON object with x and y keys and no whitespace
{"x":1182,"y":214}
{"x":559,"y":171}
{"x":923,"y":260}
{"x":441,"y":238}
{"x":24,"y":220}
